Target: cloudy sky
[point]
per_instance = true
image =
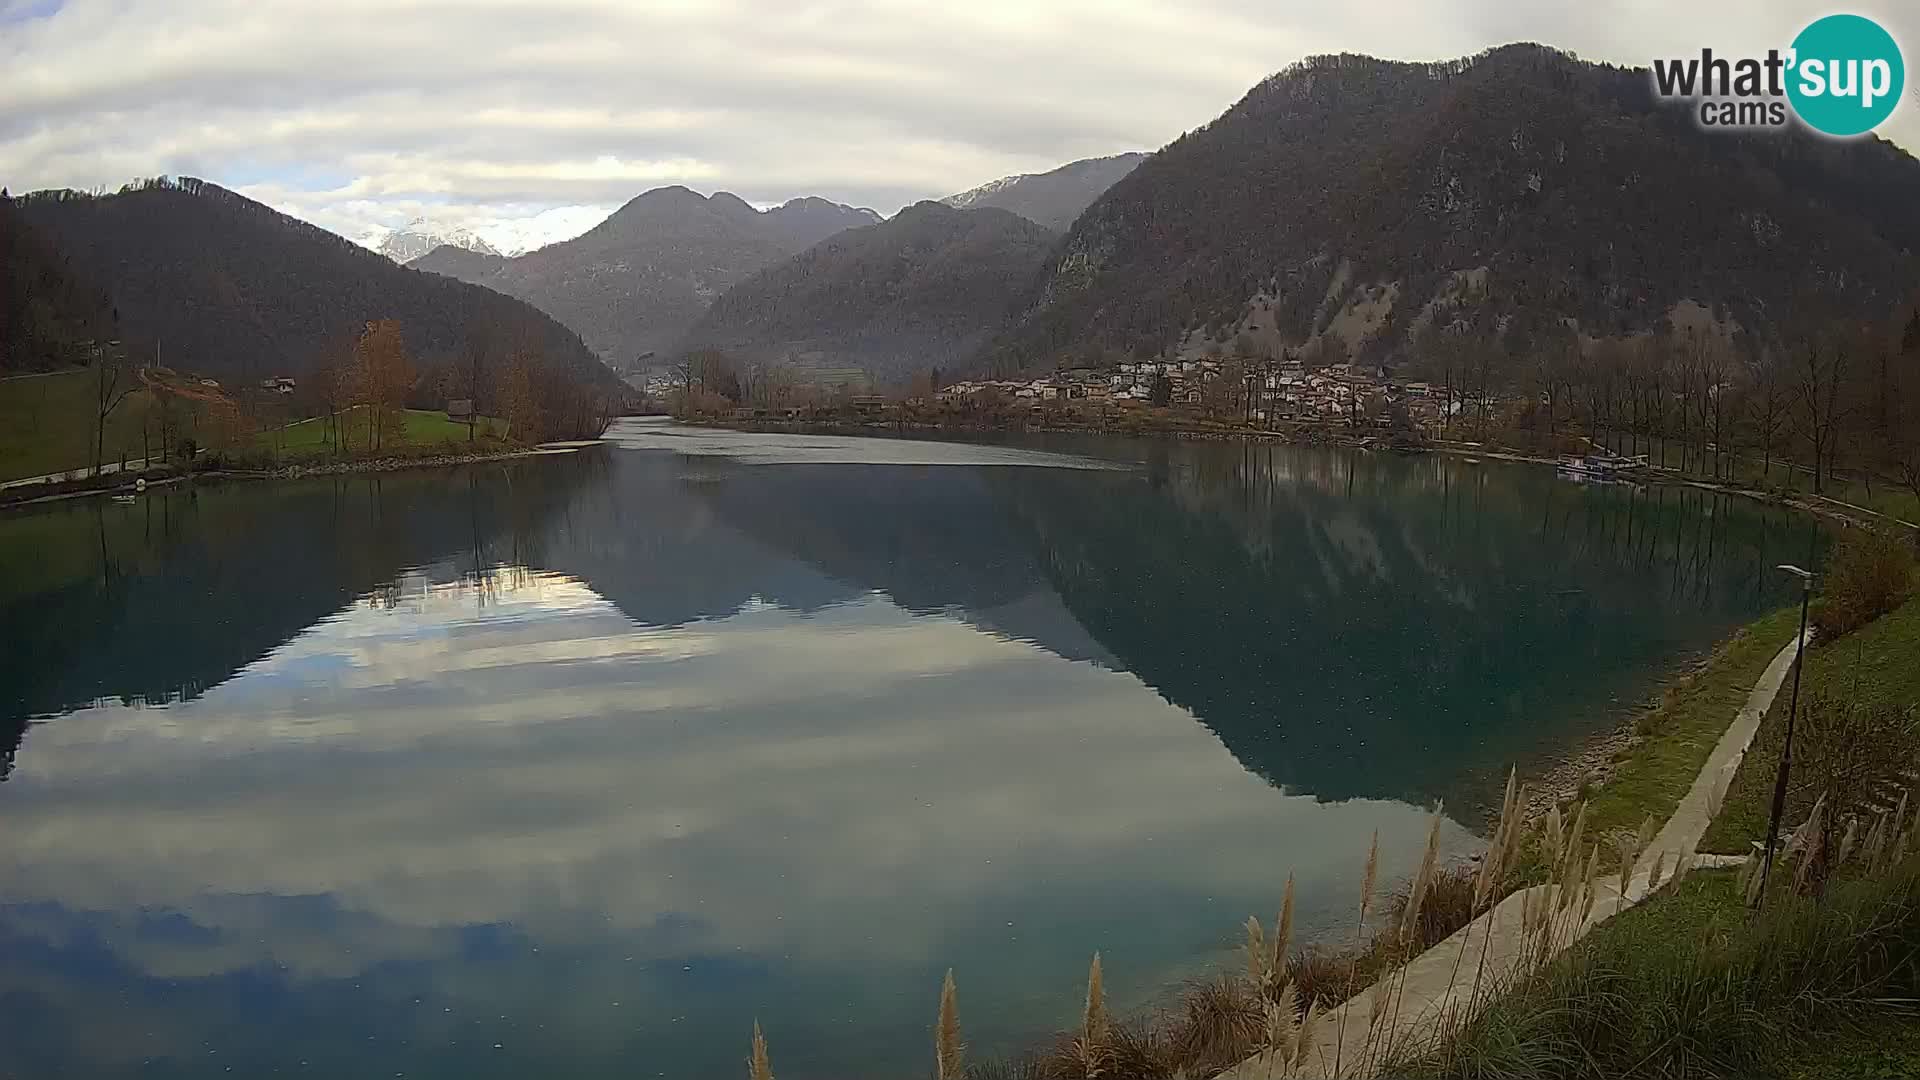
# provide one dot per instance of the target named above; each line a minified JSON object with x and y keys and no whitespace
{"x":530,"y":122}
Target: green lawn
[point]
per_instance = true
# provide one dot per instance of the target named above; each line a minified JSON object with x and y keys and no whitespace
{"x":1883,"y":1047}
{"x":46,"y":424}
{"x":1880,"y":662}
{"x":1682,"y":730}
{"x":1690,"y":984}
{"x":1750,"y":470}
{"x":423,"y":427}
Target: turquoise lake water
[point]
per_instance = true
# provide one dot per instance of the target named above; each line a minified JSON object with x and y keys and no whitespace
{"x":576,"y":766}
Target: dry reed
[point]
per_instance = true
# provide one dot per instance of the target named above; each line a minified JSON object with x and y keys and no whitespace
{"x":757,"y":1065}
{"x":1094,"y":1024}
{"x":949,"y":1053}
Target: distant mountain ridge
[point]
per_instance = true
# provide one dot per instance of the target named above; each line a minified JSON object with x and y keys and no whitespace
{"x":1054,"y":198}
{"x":636,"y":282}
{"x":1511,"y":196}
{"x":234,"y":288}
{"x":419,"y":236}
{"x":928,"y":287}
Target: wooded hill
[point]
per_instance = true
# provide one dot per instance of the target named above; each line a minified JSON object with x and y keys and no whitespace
{"x":634,"y":283}
{"x":49,"y":316}
{"x":926,"y":288}
{"x":1502,"y":195}
{"x":222,"y":285}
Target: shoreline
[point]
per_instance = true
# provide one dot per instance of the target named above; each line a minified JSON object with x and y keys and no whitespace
{"x":289,"y":472}
{"x":1595,"y":760}
{"x":1304,"y":435}
{"x":1588,"y":765}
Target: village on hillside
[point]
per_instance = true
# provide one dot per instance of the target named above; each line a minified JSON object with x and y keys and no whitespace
{"x":1263,"y":393}
{"x":1222,"y":390}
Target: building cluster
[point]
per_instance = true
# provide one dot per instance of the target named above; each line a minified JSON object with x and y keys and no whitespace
{"x":1260,"y":392}
{"x":1185,"y":383}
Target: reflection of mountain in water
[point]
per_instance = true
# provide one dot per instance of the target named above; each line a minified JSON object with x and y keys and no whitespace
{"x":1345,"y":625}
{"x":1351,"y":625}
{"x":933,"y":539}
{"x":161,"y":600}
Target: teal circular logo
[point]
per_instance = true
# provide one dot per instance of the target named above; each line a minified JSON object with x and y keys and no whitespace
{"x":1847,"y":75}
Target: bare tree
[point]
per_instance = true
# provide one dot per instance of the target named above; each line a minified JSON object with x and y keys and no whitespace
{"x":472,"y":378}
{"x":1710,"y":362}
{"x":1820,"y":368}
{"x":1768,"y":399}
{"x":519,"y":396}
{"x":684,"y":371}
{"x":1905,"y":406}
{"x":112,"y":383}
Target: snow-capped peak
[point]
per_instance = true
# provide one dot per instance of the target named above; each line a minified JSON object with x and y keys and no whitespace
{"x":971,"y":197}
{"x":419,"y":236}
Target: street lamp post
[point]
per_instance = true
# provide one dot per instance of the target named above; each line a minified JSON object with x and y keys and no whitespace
{"x":1786,"y":747}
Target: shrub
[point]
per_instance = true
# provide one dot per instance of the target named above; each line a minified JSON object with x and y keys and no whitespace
{"x":234,"y":459}
{"x":1448,"y":905}
{"x":1869,"y":575}
{"x":1220,"y":1024}
{"x":1851,"y":755}
{"x":1686,"y":987}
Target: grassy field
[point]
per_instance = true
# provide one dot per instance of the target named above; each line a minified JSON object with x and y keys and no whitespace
{"x":1885,"y":1047}
{"x":310,"y":438}
{"x":1682,"y":730}
{"x":1689,"y":984}
{"x":1880,"y":662}
{"x":1885,"y":497}
{"x":46,"y":424}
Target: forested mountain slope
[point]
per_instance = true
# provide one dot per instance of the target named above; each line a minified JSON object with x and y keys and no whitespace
{"x":1509,"y":196}
{"x":48,"y":314}
{"x":634,"y":283}
{"x":926,"y":288}
{"x":226,"y":286}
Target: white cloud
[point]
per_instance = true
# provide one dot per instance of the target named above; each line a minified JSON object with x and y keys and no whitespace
{"x":542,"y":762}
{"x":518,"y":120}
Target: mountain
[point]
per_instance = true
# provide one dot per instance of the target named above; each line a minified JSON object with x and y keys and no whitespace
{"x":49,"y":315}
{"x":417,"y":237}
{"x":634,"y":283}
{"x":925,"y":288}
{"x":1053,"y":198}
{"x":1510,"y":196}
{"x":229,"y":287}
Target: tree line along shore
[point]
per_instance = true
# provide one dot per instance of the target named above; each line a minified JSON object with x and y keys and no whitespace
{"x":367,"y":404}
{"x":1832,"y":411}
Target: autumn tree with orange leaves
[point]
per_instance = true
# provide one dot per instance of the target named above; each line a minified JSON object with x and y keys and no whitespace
{"x":382,"y":376}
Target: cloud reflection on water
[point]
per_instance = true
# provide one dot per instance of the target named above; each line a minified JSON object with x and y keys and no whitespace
{"x":709,"y":739}
{"x":828,"y":798}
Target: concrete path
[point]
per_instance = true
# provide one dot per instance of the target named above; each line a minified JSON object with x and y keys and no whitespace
{"x":1682,"y":832}
{"x":133,"y":464}
{"x":1415,"y":1007}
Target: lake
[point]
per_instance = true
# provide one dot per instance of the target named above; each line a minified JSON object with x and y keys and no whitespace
{"x":577,"y":765}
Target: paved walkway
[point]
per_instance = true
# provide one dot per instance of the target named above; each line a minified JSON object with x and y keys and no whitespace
{"x":1436,"y":992}
{"x":133,"y":464}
